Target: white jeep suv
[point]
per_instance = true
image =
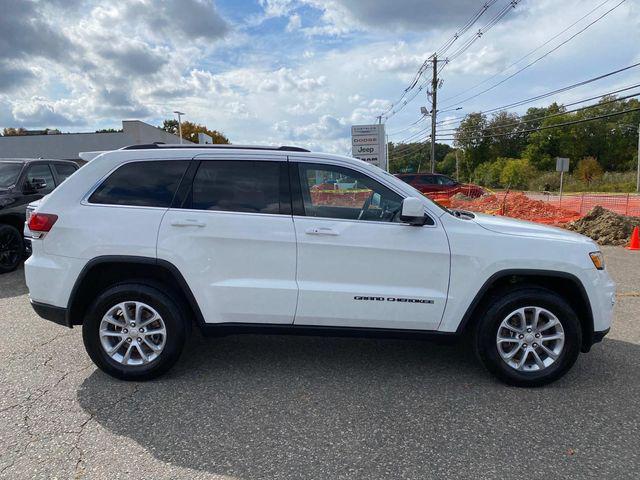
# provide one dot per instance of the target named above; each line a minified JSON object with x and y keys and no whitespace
{"x":143,"y":241}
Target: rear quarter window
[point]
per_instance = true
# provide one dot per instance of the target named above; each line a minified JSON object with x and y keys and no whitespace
{"x":64,"y":170}
{"x":142,"y":184}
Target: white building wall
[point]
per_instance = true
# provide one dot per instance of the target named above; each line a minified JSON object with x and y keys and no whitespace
{"x":67,"y":145}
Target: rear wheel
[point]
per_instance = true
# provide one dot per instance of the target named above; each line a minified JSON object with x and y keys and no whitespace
{"x":529,"y":337}
{"x":11,"y":248}
{"x":134,"y":332}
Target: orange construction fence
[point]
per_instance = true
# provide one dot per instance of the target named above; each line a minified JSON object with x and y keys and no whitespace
{"x":545,"y":207}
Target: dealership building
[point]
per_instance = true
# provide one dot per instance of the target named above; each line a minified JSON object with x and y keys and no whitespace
{"x":67,"y":146}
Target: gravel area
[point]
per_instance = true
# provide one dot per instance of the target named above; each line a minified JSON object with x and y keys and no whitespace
{"x":249,"y":407}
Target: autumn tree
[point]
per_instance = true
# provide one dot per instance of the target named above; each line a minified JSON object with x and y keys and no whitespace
{"x":588,"y":170}
{"x":14,"y":132}
{"x":190,"y":131}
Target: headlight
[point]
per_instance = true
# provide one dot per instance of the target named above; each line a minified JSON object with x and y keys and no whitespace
{"x":598,"y":260}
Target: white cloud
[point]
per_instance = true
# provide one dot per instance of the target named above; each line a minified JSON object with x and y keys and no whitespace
{"x":91,"y":66}
{"x":295,"y":22}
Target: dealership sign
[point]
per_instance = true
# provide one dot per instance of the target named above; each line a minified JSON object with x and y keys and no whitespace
{"x":368,"y":144}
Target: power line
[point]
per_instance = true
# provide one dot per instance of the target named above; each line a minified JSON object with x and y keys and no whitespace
{"x":464,"y":28}
{"x":440,"y":51}
{"x":544,"y":116}
{"x":492,"y":23}
{"x":547,"y":94}
{"x":528,"y":54}
{"x":408,"y":127}
{"x":539,"y":58}
{"x":546,"y":127}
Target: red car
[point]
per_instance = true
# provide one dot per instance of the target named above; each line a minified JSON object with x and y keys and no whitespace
{"x":438,"y":184}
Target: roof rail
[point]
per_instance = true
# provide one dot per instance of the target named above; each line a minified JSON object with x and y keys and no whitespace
{"x":148,"y":146}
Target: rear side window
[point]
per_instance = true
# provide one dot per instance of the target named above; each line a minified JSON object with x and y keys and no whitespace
{"x":64,"y":171}
{"x":240,"y":186}
{"x":142,"y":184}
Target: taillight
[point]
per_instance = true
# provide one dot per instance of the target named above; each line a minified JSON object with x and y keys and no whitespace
{"x":42,"y":222}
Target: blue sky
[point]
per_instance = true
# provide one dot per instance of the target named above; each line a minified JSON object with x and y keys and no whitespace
{"x":288,"y":71}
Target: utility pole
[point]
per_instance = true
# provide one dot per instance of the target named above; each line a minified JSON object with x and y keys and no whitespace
{"x":434,"y":102}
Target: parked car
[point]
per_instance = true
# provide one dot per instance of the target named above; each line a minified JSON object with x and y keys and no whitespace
{"x":438,"y":184}
{"x":146,"y":240}
{"x":21,"y":182}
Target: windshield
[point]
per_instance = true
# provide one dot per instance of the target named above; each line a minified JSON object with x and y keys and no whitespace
{"x":9,"y":172}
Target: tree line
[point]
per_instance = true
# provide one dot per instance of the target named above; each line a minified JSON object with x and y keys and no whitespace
{"x":511,"y":150}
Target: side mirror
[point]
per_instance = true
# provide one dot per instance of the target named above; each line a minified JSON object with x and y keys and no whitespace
{"x":413,"y":212}
{"x":36,"y":184}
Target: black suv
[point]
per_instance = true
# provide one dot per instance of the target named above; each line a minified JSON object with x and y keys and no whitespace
{"x":23,"y":181}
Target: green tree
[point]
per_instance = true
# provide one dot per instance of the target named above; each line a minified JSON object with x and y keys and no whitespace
{"x":488,"y":174}
{"x":505,"y":136}
{"x":448,"y":163}
{"x":517,"y":173}
{"x":470,"y":137}
{"x":414,"y":157}
{"x":109,"y":130}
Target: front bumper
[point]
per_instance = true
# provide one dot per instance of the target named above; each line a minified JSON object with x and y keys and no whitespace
{"x":51,"y":312}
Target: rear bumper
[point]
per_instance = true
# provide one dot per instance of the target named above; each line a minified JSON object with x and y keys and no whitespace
{"x":28,"y":249}
{"x":51,"y":312}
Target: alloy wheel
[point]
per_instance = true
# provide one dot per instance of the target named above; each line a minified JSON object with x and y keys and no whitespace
{"x":530,"y":339}
{"x":132,"y":333}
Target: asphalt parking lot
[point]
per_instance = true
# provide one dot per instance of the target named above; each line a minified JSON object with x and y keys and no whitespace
{"x":250,"y":407}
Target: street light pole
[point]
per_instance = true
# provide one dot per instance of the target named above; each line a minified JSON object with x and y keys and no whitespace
{"x":179,"y":123}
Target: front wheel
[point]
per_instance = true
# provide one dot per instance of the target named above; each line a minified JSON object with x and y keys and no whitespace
{"x":134,"y":332}
{"x":529,"y":337}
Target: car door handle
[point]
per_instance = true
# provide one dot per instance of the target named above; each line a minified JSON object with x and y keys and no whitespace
{"x":187,"y":223}
{"x":321,"y":231}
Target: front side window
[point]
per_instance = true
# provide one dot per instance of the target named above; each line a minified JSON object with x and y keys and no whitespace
{"x":9,"y":172}
{"x":41,"y":172}
{"x":442,"y":180}
{"x":240,"y":186}
{"x":141,"y":184}
{"x":427,"y":180}
{"x":337,"y":192}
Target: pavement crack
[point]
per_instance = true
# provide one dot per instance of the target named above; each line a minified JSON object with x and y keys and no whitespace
{"x":80,"y":467}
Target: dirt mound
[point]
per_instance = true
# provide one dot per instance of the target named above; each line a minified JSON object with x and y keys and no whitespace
{"x":605,"y":227}
{"x":516,"y":205}
{"x":461,"y":197}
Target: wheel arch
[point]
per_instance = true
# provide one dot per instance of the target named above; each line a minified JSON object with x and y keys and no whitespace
{"x":102,"y":272}
{"x":13,"y":220}
{"x":566,"y":284}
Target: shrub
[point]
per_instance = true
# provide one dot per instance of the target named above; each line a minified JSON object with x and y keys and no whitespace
{"x":621,"y":182}
{"x":517,"y":173}
{"x":588,"y":170}
{"x":488,"y":174}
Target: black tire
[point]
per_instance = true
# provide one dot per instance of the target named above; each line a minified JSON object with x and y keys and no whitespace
{"x":498,"y":308}
{"x":11,"y":248}
{"x":173,"y":316}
